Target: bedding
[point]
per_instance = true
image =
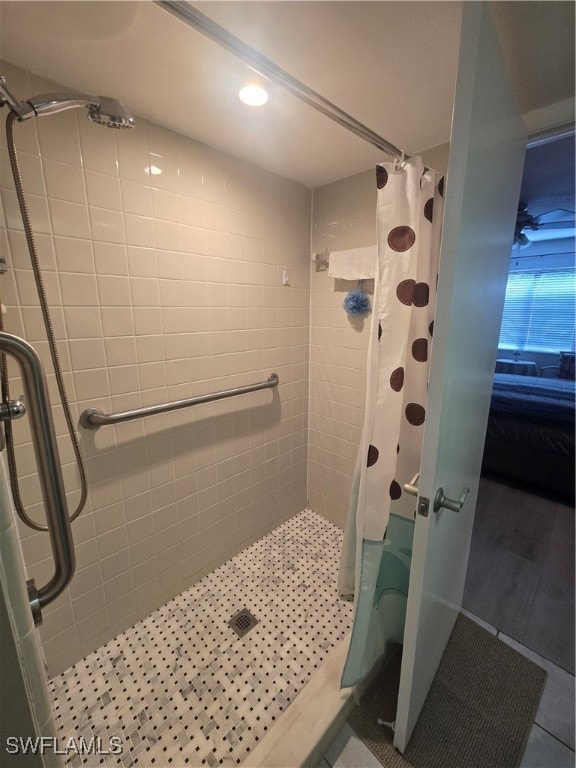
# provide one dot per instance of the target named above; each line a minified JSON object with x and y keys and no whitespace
{"x":530,"y":433}
{"x":537,"y":400}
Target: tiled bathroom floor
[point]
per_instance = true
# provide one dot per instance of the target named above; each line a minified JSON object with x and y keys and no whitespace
{"x":181,"y":688}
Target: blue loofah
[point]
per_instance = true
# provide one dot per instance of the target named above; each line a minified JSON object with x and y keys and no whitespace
{"x":357,"y":302}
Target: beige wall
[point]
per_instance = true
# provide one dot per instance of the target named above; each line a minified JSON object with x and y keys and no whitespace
{"x":344,"y":216}
{"x":162,"y":286}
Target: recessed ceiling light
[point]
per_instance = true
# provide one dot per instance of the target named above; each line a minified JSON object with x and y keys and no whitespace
{"x":253,"y":95}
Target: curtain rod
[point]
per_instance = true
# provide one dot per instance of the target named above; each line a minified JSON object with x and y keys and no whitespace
{"x":267,"y":68}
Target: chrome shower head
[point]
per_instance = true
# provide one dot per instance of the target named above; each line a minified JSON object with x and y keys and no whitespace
{"x":101,"y":109}
{"x":110,"y":112}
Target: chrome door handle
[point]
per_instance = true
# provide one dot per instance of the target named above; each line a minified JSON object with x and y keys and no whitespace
{"x":412,"y":486}
{"x":49,"y":471}
{"x":455,"y":505}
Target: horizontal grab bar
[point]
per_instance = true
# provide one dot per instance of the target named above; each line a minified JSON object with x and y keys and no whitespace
{"x":49,"y":471}
{"x":93,"y":418}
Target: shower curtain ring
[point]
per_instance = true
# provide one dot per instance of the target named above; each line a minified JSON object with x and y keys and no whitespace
{"x":401,"y":161}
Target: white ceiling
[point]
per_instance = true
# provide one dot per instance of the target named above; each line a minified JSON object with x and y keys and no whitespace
{"x":391,"y":65}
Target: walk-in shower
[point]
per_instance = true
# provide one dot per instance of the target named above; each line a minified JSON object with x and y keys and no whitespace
{"x":210,"y":508}
{"x":195,"y":490}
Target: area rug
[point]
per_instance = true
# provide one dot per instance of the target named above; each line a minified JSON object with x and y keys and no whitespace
{"x":478,"y":712}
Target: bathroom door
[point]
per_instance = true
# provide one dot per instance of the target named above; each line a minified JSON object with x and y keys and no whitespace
{"x":483,"y":184}
{"x":25,"y":704}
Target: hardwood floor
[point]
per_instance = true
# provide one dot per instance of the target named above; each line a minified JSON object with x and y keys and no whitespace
{"x":521,"y":569}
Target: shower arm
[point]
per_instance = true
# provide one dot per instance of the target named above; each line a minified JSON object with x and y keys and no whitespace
{"x":45,"y":104}
{"x":50,"y":103}
{"x":7,"y":97}
{"x":49,"y":471}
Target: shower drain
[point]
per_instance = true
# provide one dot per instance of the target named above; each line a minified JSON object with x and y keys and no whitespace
{"x":242,"y":622}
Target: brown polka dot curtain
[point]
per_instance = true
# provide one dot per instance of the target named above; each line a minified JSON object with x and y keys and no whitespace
{"x":376,"y":556}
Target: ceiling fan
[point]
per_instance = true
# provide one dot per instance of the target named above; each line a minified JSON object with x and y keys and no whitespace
{"x":555,"y":224}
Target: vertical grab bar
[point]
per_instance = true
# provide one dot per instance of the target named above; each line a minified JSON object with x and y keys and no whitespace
{"x":48,"y":462}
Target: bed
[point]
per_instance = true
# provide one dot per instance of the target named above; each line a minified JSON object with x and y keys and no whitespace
{"x":530,"y":433}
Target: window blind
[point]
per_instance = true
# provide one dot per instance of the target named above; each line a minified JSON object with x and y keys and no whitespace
{"x":539,"y":311}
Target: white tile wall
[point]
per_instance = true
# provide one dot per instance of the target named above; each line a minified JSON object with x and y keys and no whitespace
{"x":344,"y":216}
{"x":162,"y":287}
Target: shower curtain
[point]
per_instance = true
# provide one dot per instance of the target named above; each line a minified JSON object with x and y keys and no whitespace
{"x":376,"y":555}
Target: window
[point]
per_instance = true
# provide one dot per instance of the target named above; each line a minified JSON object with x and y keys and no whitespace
{"x":539,"y":311}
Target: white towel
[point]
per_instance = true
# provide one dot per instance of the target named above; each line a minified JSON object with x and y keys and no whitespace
{"x":355,"y":264}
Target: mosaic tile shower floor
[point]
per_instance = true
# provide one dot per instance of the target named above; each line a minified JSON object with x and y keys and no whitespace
{"x":180,"y":688}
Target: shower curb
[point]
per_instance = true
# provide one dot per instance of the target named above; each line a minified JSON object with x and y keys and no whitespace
{"x":302,"y":735}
